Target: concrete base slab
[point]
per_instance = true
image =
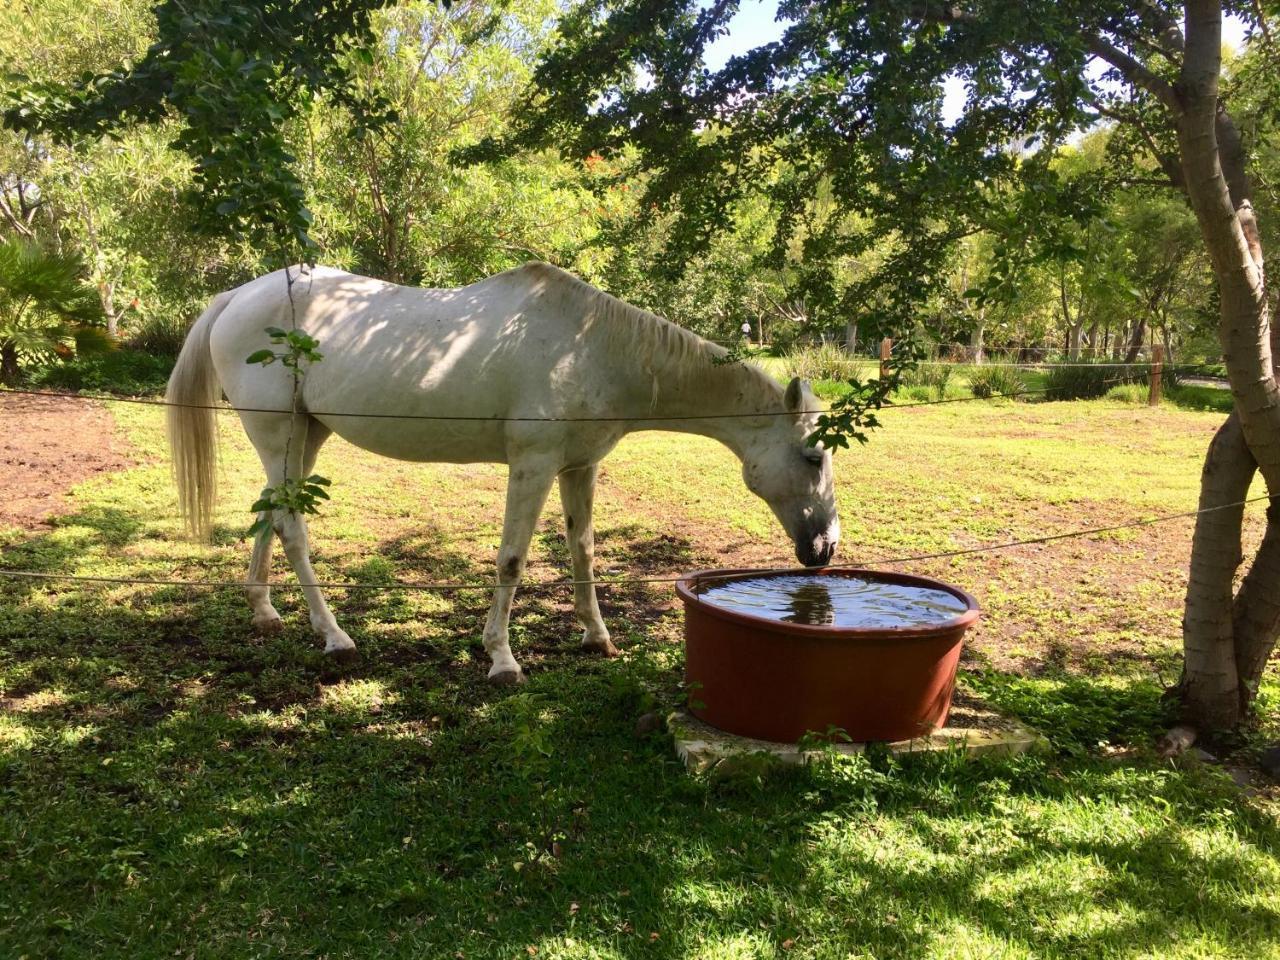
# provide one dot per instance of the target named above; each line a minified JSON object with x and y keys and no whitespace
{"x":973,"y":728}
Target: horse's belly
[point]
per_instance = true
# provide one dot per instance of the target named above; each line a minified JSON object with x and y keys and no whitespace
{"x":422,"y":440}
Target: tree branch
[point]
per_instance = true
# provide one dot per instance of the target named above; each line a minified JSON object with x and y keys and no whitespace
{"x":1135,"y":73}
{"x":21,"y":228}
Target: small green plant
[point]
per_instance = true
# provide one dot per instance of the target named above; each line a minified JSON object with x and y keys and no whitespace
{"x":1134,"y":393}
{"x":301,"y":349}
{"x":290,"y":494}
{"x":814,"y":741}
{"x":295,"y":496}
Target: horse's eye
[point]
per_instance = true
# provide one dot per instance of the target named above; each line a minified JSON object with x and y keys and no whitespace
{"x":813,"y":455}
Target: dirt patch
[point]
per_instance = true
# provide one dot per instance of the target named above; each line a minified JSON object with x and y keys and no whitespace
{"x":47,"y":446}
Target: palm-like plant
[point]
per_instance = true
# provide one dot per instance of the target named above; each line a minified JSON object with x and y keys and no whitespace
{"x":46,"y":307}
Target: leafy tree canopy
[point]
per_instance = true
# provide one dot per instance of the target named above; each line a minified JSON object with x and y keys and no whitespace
{"x":234,"y":73}
{"x":848,"y":105}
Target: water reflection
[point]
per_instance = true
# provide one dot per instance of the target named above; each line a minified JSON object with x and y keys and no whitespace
{"x":811,"y":603}
{"x":834,"y":601}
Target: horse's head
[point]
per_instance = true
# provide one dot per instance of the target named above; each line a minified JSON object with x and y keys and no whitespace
{"x":794,"y":478}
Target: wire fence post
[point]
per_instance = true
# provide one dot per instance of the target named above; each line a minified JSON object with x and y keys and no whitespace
{"x":1157,"y":375}
{"x":886,"y":347}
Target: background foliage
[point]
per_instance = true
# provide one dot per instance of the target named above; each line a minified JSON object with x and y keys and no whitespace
{"x":365,"y":157}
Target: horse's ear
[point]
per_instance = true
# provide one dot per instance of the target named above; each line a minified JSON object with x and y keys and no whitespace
{"x":797,"y":393}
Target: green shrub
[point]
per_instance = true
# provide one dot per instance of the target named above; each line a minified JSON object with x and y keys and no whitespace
{"x":996,"y":380}
{"x":161,"y":335}
{"x":933,"y":376}
{"x":120,"y":371}
{"x":1083,"y":380}
{"x":827,"y":361}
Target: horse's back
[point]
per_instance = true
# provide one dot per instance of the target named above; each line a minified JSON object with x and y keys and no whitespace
{"x":510,"y":346}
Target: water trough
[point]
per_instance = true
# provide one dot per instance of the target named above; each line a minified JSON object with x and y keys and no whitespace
{"x":780,"y":655}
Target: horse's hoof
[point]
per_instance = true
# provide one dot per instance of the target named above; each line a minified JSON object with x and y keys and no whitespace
{"x":268,"y":626}
{"x":507,"y":678}
{"x":343,"y":656}
{"x":604,"y":648}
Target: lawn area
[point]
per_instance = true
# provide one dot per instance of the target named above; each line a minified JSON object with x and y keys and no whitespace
{"x":172,"y":785}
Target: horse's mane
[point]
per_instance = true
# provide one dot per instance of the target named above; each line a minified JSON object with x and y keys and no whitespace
{"x":653,"y":342}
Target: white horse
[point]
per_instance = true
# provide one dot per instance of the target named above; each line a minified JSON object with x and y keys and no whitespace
{"x":533,"y":368}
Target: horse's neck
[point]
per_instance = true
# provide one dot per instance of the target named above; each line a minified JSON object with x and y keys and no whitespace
{"x":700,"y":396}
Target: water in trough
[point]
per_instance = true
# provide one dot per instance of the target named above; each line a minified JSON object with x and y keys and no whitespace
{"x":834,"y":601}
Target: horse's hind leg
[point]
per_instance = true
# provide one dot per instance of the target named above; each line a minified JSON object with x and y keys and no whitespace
{"x":577,"y":494}
{"x":269,"y":434}
{"x":265,"y":617}
{"x":527,"y":487}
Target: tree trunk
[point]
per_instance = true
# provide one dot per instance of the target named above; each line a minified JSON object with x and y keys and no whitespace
{"x":1210,"y":681}
{"x":8,"y":363}
{"x":1135,"y":340}
{"x":851,"y":337}
{"x":1256,"y":619}
{"x":975,"y":343}
{"x":1074,"y":328}
{"x":106,"y":295}
{"x":1227,"y":639}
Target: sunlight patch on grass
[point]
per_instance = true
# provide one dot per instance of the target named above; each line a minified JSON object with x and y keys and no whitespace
{"x":357,"y":697}
{"x":15,"y":734}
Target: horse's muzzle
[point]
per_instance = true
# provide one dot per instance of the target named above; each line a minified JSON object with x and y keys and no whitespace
{"x":817,"y":550}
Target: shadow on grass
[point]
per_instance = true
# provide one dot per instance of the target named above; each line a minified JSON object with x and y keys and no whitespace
{"x":173,"y":784}
{"x":1076,"y":713}
{"x":75,"y":536}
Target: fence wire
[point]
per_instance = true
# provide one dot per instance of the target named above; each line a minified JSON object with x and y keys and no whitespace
{"x":460,"y":586}
{"x":477,"y":418}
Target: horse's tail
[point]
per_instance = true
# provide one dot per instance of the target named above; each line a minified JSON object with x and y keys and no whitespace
{"x":193,"y":430}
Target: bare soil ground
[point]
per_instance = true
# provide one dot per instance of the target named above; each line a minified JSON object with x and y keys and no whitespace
{"x":47,"y":446}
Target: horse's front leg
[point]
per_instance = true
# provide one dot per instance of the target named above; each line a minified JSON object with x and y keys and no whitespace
{"x":577,"y":494}
{"x":527,"y":488}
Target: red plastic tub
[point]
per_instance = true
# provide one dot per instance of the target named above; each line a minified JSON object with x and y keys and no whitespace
{"x":775,"y":680}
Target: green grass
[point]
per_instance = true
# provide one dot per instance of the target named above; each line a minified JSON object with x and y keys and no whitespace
{"x":172,"y":785}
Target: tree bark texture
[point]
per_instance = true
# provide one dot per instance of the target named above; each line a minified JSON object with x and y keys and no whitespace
{"x":1227,"y":639}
